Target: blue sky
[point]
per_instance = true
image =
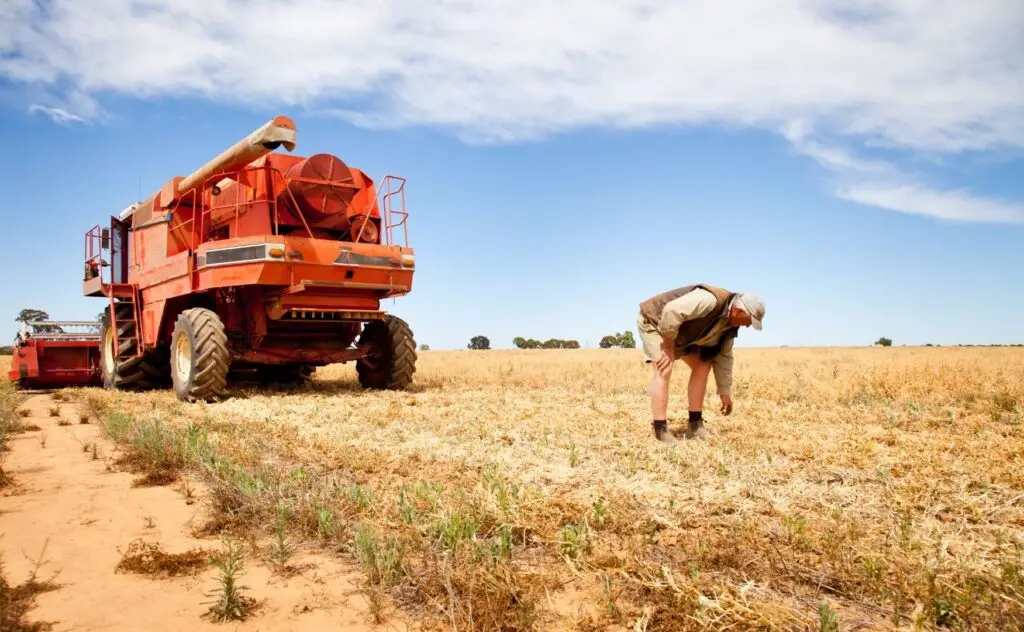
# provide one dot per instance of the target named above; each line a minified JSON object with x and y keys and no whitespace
{"x":858,"y":171}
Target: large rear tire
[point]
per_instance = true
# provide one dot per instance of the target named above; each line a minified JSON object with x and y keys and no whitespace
{"x":200,"y":357}
{"x":391,"y":361}
{"x":136,"y":373}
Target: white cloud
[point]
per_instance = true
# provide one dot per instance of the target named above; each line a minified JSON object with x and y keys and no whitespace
{"x":938,"y":76}
{"x":959,"y":206}
{"x":59,"y":115}
{"x":882,"y":184}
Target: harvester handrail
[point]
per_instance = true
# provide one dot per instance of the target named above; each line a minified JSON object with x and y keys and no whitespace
{"x":389,"y":211}
{"x":62,"y":324}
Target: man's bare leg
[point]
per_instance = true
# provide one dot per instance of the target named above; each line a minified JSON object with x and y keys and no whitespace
{"x":659,"y":401}
{"x":695,"y":390}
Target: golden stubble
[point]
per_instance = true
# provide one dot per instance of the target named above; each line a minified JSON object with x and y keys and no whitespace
{"x":840,"y":467}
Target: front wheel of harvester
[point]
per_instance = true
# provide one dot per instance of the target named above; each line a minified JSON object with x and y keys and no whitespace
{"x":391,"y":360}
{"x":135,"y":373}
{"x":200,"y":357}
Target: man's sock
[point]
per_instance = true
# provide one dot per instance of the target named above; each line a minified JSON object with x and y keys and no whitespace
{"x":660,"y":427}
{"x":696,"y":418}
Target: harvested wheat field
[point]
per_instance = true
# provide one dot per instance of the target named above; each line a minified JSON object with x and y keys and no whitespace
{"x":851,"y":489}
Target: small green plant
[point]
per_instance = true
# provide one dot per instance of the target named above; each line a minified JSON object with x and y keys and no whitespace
{"x":574,"y":541}
{"x":282,"y":551}
{"x":598,"y":511}
{"x":454,"y":527}
{"x":383,"y":562}
{"x":360,"y":497}
{"x":796,"y":531}
{"x":325,"y":524}
{"x":828,"y":620}
{"x":610,"y":597}
{"x":54,"y":411}
{"x":231,"y":604}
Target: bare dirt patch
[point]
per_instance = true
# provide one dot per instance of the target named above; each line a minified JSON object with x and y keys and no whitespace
{"x":84,"y":549}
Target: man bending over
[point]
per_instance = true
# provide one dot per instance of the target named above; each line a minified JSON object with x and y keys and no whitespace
{"x":696,"y":323}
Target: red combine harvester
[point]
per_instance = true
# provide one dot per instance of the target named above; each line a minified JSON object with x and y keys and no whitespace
{"x":51,"y":356}
{"x":257,"y":262}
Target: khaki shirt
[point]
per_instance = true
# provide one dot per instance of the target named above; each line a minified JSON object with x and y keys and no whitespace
{"x":699,"y":303}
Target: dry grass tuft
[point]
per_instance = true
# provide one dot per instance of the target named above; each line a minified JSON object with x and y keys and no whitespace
{"x":152,"y":449}
{"x":17,"y":601}
{"x":10,"y":424}
{"x":507,"y":489}
{"x":146,"y":558}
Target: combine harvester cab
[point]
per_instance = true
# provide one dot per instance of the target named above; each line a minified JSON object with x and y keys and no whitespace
{"x":56,"y":354}
{"x":256,"y":263}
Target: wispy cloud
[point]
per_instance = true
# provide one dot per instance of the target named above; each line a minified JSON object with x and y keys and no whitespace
{"x":882,"y":184}
{"x":59,"y":115}
{"x":942,"y":76}
{"x":954,"y":205}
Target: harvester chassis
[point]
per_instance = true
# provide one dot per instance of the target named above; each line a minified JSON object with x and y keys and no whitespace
{"x":199,"y":362}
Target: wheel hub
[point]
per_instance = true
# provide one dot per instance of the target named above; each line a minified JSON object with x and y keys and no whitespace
{"x":108,"y":346}
{"x":182,"y":358}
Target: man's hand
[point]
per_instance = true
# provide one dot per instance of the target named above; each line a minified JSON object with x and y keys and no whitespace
{"x":664,"y":363}
{"x":726,"y":404}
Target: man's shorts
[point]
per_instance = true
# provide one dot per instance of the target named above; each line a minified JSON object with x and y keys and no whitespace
{"x":650,"y":339}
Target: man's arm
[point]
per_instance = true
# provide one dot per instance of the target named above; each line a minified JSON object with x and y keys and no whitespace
{"x":697,"y":303}
{"x":722,"y":368}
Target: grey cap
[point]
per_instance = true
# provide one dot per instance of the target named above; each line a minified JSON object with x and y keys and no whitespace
{"x":754,"y":305}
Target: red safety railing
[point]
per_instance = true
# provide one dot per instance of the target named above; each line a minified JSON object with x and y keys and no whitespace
{"x":97,"y":242}
{"x":390,"y":203}
{"x":93,"y":249}
{"x":388,"y":212}
{"x":385,"y":204}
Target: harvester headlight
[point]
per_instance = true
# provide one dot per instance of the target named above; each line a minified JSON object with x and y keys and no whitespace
{"x":276,"y":251}
{"x":408,"y":260}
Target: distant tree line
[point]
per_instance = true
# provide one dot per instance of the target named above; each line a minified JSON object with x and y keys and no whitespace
{"x":551,"y":343}
{"x":623,"y":340}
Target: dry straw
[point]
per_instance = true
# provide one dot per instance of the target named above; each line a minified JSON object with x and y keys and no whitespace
{"x":522,"y":490}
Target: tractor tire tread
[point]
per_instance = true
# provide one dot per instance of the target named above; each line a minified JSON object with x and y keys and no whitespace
{"x":404,"y":362}
{"x":129,"y":374}
{"x":213,"y":357}
{"x":400,"y":355}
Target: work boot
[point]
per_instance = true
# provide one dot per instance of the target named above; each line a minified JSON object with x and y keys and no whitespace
{"x":661,"y":432}
{"x":695,"y":429}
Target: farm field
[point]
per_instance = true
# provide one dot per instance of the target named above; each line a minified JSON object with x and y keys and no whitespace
{"x":862,"y":488}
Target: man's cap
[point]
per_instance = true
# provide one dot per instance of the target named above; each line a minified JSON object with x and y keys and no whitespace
{"x":754,"y":305}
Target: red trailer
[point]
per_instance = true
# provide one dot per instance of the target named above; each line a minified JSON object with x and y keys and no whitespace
{"x":57,"y":353}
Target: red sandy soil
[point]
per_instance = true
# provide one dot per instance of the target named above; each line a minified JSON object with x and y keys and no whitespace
{"x":78,"y":515}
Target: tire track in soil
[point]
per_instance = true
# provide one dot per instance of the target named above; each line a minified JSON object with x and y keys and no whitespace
{"x":77,"y":516}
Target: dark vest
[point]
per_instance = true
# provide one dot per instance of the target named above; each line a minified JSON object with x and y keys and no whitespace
{"x":693,"y":330}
